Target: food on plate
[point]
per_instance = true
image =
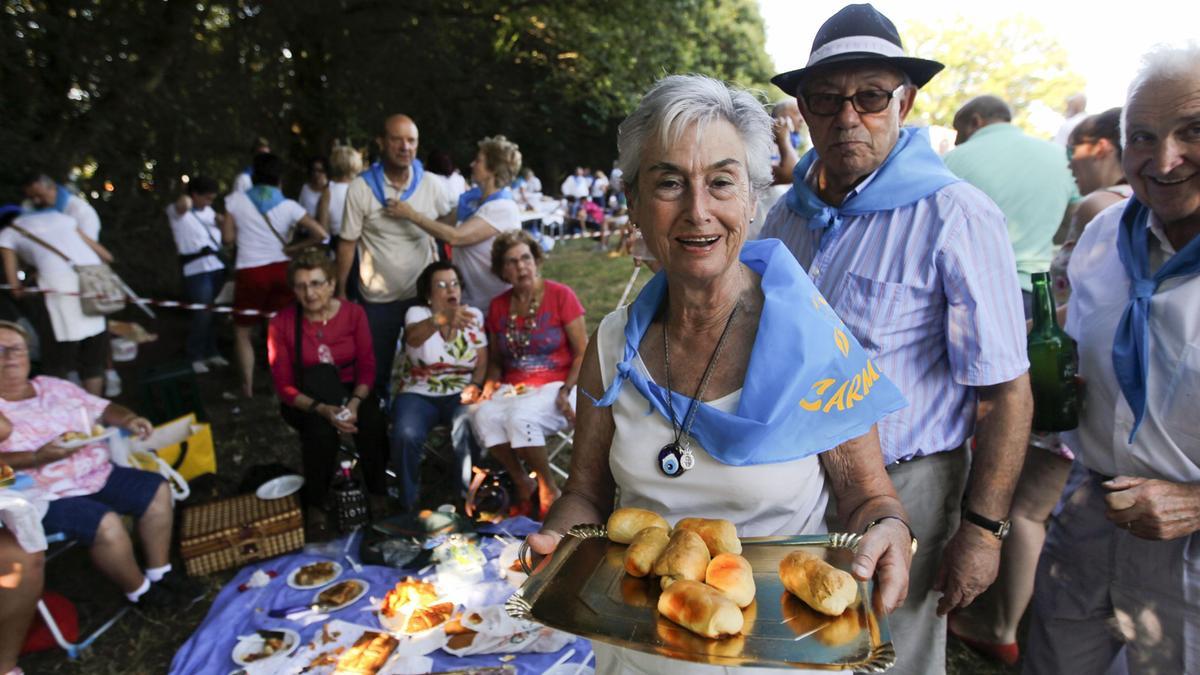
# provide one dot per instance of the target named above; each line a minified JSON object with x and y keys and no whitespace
{"x":315,"y":574}
{"x":340,"y":593}
{"x":273,"y":642}
{"x":644,"y":549}
{"x":328,"y":658}
{"x":824,"y":587}
{"x":732,"y":575}
{"x":408,"y":594}
{"x":720,"y":536}
{"x":6,"y":472}
{"x":455,"y":626}
{"x":700,"y":609}
{"x":368,"y":654}
{"x":623,"y":524}
{"x":461,"y":640}
{"x":72,"y":436}
{"x":424,"y":618}
{"x":685,"y":557}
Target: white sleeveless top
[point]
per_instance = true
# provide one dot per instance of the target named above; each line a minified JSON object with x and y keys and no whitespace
{"x":786,"y":498}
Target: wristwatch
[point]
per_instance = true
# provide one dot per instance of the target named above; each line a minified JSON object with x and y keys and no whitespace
{"x":998,"y":528}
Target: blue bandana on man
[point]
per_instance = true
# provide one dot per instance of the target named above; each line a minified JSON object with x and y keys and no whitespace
{"x":918,"y":266}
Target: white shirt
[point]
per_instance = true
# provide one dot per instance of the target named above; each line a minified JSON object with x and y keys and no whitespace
{"x":392,"y":253}
{"x":475,"y":260}
{"x":337,"y":206}
{"x":575,"y":186}
{"x":241,"y":183}
{"x":457,"y":184}
{"x":59,"y":230}
{"x":599,"y":185}
{"x":435,"y":367}
{"x":193,"y":231}
{"x":1167,"y":445}
{"x":309,"y":198}
{"x":86,"y":216}
{"x":256,"y":246}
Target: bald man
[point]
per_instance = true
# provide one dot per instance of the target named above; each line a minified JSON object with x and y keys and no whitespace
{"x":391,"y":252}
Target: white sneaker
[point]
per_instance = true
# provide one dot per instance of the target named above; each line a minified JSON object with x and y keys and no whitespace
{"x":217,"y":362}
{"x":112,"y":384}
{"x":199,"y":368}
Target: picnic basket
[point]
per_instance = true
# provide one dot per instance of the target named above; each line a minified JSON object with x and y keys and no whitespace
{"x":235,"y":531}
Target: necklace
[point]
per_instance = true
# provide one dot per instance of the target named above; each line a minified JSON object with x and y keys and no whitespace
{"x":676,"y":456}
{"x":518,"y":338}
{"x":329,"y":312}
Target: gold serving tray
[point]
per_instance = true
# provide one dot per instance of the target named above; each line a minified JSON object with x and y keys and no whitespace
{"x":584,"y":590}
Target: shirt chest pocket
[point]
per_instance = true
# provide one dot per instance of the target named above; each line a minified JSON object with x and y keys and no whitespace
{"x":1181,"y":400}
{"x":884,"y":315}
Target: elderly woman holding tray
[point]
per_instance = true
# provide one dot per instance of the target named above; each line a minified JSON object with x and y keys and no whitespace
{"x":762,"y":403}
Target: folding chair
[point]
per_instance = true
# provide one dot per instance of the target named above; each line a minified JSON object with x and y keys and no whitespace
{"x":73,"y":649}
{"x":563,"y":440}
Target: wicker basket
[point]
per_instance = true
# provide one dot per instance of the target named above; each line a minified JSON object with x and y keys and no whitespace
{"x":239,"y":530}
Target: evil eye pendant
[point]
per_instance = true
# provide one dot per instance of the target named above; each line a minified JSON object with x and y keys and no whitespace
{"x":669,"y":460}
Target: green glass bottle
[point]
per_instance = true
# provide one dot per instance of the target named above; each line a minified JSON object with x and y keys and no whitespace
{"x":1053,"y":364}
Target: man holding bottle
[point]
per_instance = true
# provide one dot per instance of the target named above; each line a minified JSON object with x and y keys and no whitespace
{"x":1118,"y":582}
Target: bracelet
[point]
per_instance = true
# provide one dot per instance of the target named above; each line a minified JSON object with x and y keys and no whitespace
{"x":354,"y":397}
{"x":880,"y":519}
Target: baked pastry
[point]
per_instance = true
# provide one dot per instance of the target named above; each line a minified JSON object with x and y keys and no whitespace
{"x":623,"y":524}
{"x":685,"y":557}
{"x":645,"y":548}
{"x":315,"y":574}
{"x":732,"y":575}
{"x":368,"y":654}
{"x":700,"y":609}
{"x":424,"y":618}
{"x":718,"y":534}
{"x":339,"y":593}
{"x":407,"y":594}
{"x":822,"y":586}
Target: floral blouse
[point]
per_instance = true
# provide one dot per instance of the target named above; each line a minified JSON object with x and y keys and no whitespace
{"x":438,"y":367}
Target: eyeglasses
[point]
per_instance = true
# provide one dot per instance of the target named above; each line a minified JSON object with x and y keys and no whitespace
{"x":14,"y":351}
{"x":865,"y":102}
{"x":453,"y":283}
{"x":314,"y":285}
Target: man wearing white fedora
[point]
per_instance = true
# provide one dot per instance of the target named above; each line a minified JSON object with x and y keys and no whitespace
{"x":918,"y":264}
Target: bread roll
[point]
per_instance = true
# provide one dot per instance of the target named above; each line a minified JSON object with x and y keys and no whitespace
{"x":645,"y":548}
{"x":700,"y":609}
{"x":732,"y":575}
{"x":623,"y":524}
{"x":685,"y":557}
{"x":719,"y":535}
{"x":674,"y":637}
{"x":819,"y":584}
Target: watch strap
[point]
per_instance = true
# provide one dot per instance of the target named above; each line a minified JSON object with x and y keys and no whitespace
{"x":998,"y":528}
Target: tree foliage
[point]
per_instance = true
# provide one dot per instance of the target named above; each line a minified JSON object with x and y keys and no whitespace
{"x":1014,"y":58}
{"x":133,"y":94}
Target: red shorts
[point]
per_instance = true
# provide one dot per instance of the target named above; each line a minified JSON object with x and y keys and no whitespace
{"x":263,"y":288}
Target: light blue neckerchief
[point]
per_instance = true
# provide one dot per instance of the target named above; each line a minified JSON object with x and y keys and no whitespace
{"x":470,"y":201}
{"x":808,"y":387}
{"x":61,"y":197}
{"x":376,"y":180}
{"x":265,"y":197}
{"x":911,"y":172}
{"x":1131,"y":344}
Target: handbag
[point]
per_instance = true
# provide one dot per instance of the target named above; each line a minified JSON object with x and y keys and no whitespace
{"x":101,"y":291}
{"x":321,"y":382}
{"x":180,"y":450}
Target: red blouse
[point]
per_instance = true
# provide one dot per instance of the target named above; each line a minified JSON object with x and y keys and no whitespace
{"x":344,"y":340}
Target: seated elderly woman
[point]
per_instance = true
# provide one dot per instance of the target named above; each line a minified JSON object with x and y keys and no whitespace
{"x":443,"y":364}
{"x":89,"y":494}
{"x":485,"y":211}
{"x":536,"y":340}
{"x":762,"y":403}
{"x":323,"y":366}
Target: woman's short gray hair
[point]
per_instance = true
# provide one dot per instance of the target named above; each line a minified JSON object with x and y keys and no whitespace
{"x":677,"y":102}
{"x":1164,"y":62}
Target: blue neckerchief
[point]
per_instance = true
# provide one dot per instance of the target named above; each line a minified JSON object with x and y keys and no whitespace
{"x":827,"y":391}
{"x":470,"y":201}
{"x":61,"y":197}
{"x":265,"y":197}
{"x":794,"y":138}
{"x":1131,"y":344}
{"x":911,"y":172}
{"x":376,"y":180}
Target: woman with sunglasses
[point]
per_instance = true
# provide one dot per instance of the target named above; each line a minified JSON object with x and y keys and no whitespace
{"x":441,"y":369}
{"x":323,"y":366}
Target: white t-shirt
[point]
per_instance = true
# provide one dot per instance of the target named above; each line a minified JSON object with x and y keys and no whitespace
{"x":456,"y":183}
{"x":256,"y":246}
{"x":241,"y":183}
{"x":599,"y":186}
{"x":60,"y":231}
{"x":475,"y":260}
{"x":309,"y":198}
{"x":437,"y":367}
{"x":392,"y":253}
{"x":193,"y":231}
{"x":86,"y":216}
{"x":337,"y":206}
{"x":575,"y":186}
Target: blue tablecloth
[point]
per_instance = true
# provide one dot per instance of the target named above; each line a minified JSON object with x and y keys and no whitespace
{"x":234,"y":613}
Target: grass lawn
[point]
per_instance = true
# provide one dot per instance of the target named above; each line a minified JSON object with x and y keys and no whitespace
{"x":254,"y":434}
